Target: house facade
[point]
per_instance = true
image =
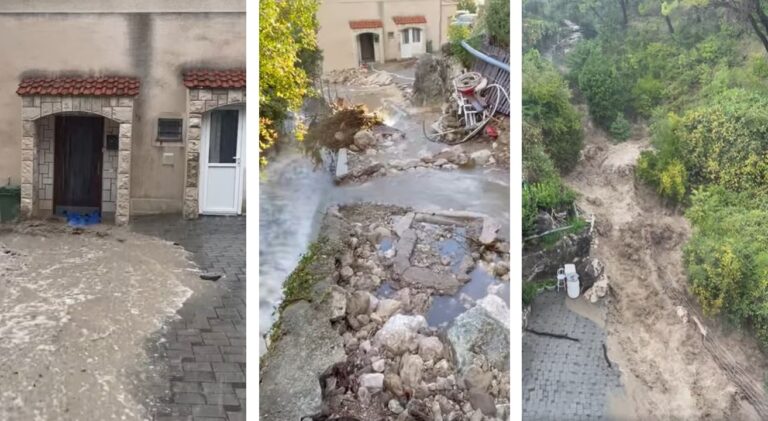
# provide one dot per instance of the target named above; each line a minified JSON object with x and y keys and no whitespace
{"x":353,"y":32}
{"x":126,"y":108}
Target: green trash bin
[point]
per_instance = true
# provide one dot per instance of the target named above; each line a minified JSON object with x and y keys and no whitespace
{"x":10,"y":198}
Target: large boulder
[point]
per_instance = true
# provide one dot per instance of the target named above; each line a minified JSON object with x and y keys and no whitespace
{"x":364,"y":139}
{"x":589,"y":271}
{"x":496,"y":308}
{"x":476,"y":332}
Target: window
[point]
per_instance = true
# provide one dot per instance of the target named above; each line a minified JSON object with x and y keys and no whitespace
{"x":169,"y":129}
{"x":405,"y":36}
{"x":390,"y":35}
{"x":223,"y":141}
{"x":416,"y":35}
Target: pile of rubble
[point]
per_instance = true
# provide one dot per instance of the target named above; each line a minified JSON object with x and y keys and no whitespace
{"x":394,"y":359}
{"x":360,"y":162}
{"x":360,"y":77}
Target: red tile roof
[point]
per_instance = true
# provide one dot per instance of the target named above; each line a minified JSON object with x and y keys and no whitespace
{"x":214,"y":79}
{"x":365,"y":24}
{"x":92,"y":86}
{"x":409,"y":20}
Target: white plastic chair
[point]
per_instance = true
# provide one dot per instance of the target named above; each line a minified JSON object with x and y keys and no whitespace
{"x":560,"y":279}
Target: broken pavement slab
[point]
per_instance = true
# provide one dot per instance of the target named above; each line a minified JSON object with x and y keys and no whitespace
{"x":427,"y":278}
{"x":288,"y":393}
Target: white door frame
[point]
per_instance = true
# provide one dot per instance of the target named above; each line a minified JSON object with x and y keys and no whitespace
{"x":239,"y":162}
{"x":407,"y":50}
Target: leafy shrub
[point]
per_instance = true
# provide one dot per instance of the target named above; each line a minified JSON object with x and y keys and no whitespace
{"x":546,"y":103}
{"x":620,"y":128}
{"x":726,"y":259}
{"x":456,"y":34}
{"x":647,"y":94}
{"x":550,"y":195}
{"x":537,"y":165}
{"x":673,"y":181}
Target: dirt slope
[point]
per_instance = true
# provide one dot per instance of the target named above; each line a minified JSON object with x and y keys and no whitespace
{"x":669,"y":369}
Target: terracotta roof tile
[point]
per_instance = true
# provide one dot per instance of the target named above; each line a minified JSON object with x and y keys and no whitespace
{"x":214,"y":79}
{"x":409,"y":20}
{"x":366,"y":24}
{"x":96,"y":86}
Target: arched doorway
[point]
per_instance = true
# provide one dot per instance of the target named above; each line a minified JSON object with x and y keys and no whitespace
{"x":366,"y":47}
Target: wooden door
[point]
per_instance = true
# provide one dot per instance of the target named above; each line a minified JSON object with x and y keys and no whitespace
{"x":78,"y":163}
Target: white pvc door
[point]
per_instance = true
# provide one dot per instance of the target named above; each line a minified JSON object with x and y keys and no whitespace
{"x":221,"y":162}
{"x":410,"y":42}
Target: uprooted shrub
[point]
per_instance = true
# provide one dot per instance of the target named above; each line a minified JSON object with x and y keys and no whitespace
{"x":338,"y":129}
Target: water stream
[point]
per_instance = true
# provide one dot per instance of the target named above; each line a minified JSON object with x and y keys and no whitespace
{"x":294,"y":195}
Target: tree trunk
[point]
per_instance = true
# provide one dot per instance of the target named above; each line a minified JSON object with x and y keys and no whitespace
{"x":669,"y":25}
{"x":759,"y":33}
{"x":623,"y":4}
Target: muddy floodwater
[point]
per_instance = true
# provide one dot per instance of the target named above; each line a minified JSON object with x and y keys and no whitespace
{"x":77,"y":310}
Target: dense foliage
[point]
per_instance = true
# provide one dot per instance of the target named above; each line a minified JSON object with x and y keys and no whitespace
{"x":287,"y":37}
{"x":552,"y":139}
{"x":547,"y":104}
{"x":726,"y":257}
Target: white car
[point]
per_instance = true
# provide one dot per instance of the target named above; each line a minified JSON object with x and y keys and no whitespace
{"x":467,"y":19}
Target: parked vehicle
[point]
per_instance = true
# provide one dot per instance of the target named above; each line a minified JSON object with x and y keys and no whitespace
{"x":467,"y":19}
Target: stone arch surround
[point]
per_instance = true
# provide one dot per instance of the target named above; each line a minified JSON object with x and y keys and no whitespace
{"x":116,"y":108}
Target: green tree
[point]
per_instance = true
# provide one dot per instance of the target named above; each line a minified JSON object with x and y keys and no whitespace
{"x":547,"y":104}
{"x":497,"y":21}
{"x":600,"y":83}
{"x":287,"y":33}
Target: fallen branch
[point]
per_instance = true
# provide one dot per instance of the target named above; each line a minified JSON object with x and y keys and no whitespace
{"x":547,"y":233}
{"x":551,"y":335}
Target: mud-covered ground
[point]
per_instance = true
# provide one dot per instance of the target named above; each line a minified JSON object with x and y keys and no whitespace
{"x":77,"y":310}
{"x":669,"y":369}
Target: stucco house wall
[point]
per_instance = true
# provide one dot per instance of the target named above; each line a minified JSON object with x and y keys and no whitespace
{"x":337,"y":39}
{"x":153,"y":41}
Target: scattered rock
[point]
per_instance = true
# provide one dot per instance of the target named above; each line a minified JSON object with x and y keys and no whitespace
{"x":346,"y":273}
{"x":489,"y":231}
{"x":394,"y":384}
{"x":358,"y":303}
{"x":481,"y":157}
{"x":399,"y":333}
{"x":430,"y":348}
{"x":404,"y":223}
{"x":482,"y":401}
{"x":379,"y":365}
{"x":364,"y":139}
{"x":476,"y":332}
{"x":388,"y":307}
{"x":395,"y":406}
{"x":411,"y":369}
{"x":338,"y":302}
{"x":496,"y":307}
{"x":374,"y":382}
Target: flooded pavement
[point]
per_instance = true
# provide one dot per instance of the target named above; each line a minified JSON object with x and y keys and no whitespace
{"x":564,"y":379}
{"x":76,"y":311}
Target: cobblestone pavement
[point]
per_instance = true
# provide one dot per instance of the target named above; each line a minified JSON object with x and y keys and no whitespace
{"x":204,"y":352}
{"x":562,"y":379}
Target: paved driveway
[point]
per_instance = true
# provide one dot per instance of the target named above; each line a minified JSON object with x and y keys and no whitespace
{"x":565,"y":380}
{"x":204,"y":351}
